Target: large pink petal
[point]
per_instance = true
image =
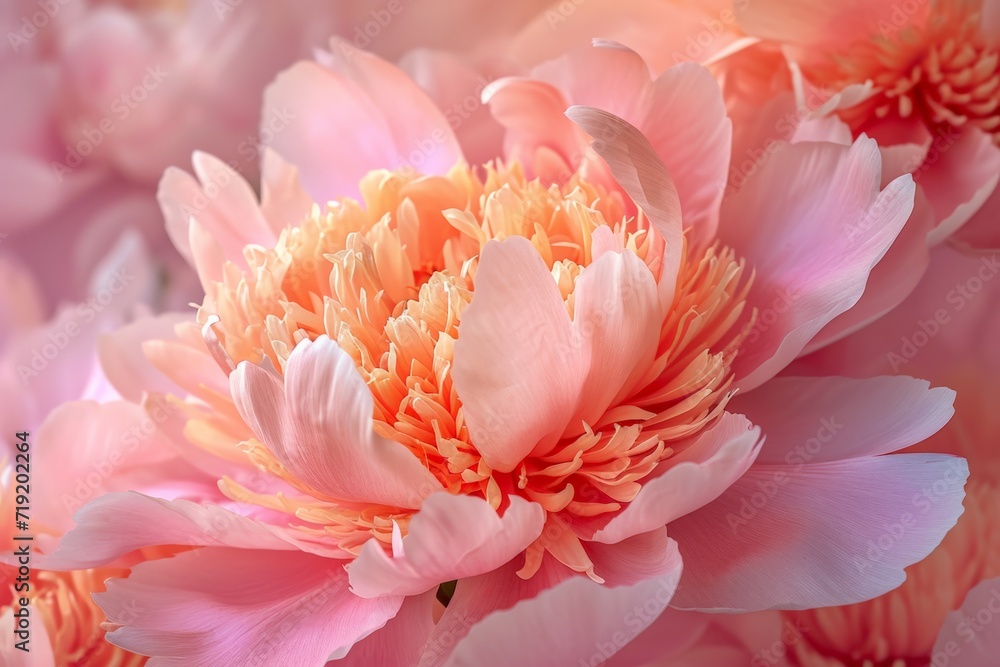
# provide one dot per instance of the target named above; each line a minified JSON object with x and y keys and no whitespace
{"x":319,"y":426}
{"x":476,"y":597}
{"x":823,"y":419}
{"x":991,"y":22}
{"x":982,"y":231}
{"x":819,"y":535}
{"x":892,"y":279}
{"x":452,"y":537}
{"x":283,"y":201}
{"x":814,"y":23}
{"x":967,"y":636}
{"x":532,"y":113}
{"x":616,"y":323}
{"x":126,"y":365}
{"x":700,"y":474}
{"x":535,"y":633}
{"x":223,"y":607}
{"x":960,"y":173}
{"x":643,"y":176}
{"x":118,"y":523}
{"x":457,"y":86}
{"x":813,"y":224}
{"x":355,"y":104}
{"x":400,"y":641}
{"x":517,"y":320}
{"x":221,"y":202}
{"x":90,"y":449}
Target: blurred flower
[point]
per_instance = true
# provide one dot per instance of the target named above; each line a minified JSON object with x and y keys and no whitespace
{"x":551,"y":367}
{"x":923,"y":78}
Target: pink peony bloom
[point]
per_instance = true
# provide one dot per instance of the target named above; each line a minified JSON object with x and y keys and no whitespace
{"x":920,"y":77}
{"x":455,"y":409}
{"x":943,"y":614}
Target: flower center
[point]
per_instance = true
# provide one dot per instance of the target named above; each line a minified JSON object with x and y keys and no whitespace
{"x":944,"y":72}
{"x":73,"y":620}
{"x":390,"y":282}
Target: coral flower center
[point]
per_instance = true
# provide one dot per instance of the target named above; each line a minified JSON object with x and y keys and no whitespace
{"x":389,"y":280}
{"x":943,"y":72}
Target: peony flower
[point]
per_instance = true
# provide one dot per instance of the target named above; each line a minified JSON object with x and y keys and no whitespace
{"x":944,"y":332}
{"x":466,"y":403}
{"x":920,"y":77}
{"x":944,"y":611}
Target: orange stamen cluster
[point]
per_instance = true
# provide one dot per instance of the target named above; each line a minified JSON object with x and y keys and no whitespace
{"x":389,"y":281}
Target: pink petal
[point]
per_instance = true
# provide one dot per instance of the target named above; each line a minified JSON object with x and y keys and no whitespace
{"x":92,"y":448}
{"x":452,"y":537}
{"x":535,"y":633}
{"x":892,"y":279}
{"x":694,"y":478}
{"x":547,"y":372}
{"x":221,"y":204}
{"x":981,"y":232}
{"x":967,"y":638}
{"x":814,"y":23}
{"x":821,"y":535}
{"x":283,"y":201}
{"x":960,"y":173}
{"x":457,"y":86}
{"x":118,"y":523}
{"x":642,"y":175}
{"x":517,"y":320}
{"x":687,"y":125}
{"x":476,"y":597}
{"x":665,"y":640}
{"x":127,"y":366}
{"x":532,"y":112}
{"x":223,"y":607}
{"x":616,"y":324}
{"x":823,"y":202}
{"x":824,"y":419}
{"x":356,"y":105}
{"x":319,"y":426}
{"x":400,"y":641}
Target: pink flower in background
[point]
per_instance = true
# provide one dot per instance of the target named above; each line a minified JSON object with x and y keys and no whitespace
{"x":463,"y":404}
{"x":101,"y":97}
{"x":923,"y":78}
{"x":943,"y":614}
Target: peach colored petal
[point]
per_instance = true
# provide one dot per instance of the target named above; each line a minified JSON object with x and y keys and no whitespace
{"x":318,"y":423}
{"x":218,"y":607}
{"x":816,"y":535}
{"x":452,"y":537}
